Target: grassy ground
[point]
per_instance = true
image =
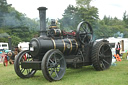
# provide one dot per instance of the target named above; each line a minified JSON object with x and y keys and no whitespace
{"x":116,"y":75}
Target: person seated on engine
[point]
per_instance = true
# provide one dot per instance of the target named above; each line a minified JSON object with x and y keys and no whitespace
{"x":54,"y":31}
{"x":53,"y":24}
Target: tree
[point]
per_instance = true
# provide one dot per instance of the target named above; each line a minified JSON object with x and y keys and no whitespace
{"x":73,"y":15}
{"x":83,"y":3}
{"x":15,"y":40}
{"x":109,"y":27}
{"x":125,"y":19}
{"x":4,"y":6}
{"x":16,"y":24}
{"x":4,"y":35}
{"x":90,"y":15}
{"x":3,"y":10}
{"x":70,"y":18}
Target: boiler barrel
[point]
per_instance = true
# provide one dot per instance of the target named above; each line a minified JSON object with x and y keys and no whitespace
{"x":39,"y":46}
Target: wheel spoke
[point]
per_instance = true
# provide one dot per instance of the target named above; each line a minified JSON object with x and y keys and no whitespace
{"x":103,"y":64}
{"x":56,"y":70}
{"x":60,"y":59}
{"x":100,"y":53}
{"x":60,"y":68}
{"x":83,"y":28}
{"x":108,"y":56}
{"x":102,"y":49}
{"x":22,"y":70}
{"x":100,"y":56}
{"x":87,"y":28}
{"x":28,"y":59}
{"x":50,"y":65}
{"x":28,"y":71}
{"x":55,"y":58}
{"x":83,"y":40}
{"x":106,"y":62}
{"x":51,"y":61}
{"x":51,"y":72}
{"x":106,"y":50}
{"x":56,"y":74}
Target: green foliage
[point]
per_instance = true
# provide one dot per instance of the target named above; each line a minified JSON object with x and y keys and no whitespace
{"x":3,"y":10}
{"x":16,"y":25}
{"x":125,"y":19}
{"x":4,"y":35}
{"x":15,"y":40}
{"x":3,"y":6}
{"x":70,"y":18}
{"x":9,"y":17}
{"x":21,"y":32}
{"x":3,"y":39}
{"x":109,"y":27}
{"x":83,"y":3}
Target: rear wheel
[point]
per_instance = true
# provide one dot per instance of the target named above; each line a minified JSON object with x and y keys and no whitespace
{"x":53,"y":65}
{"x":22,"y":72}
{"x":101,"y":56}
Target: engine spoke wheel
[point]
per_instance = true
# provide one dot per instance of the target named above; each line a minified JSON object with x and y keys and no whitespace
{"x":84,"y":32}
{"x":22,"y":72}
{"x":101,"y":56}
{"x":53,"y":65}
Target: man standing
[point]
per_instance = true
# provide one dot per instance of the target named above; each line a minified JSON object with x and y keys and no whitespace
{"x":118,"y":49}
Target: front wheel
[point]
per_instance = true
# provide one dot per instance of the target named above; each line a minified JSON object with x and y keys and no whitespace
{"x":53,"y":65}
{"x":22,"y":72}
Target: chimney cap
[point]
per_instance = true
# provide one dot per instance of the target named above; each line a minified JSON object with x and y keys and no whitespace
{"x":42,"y":8}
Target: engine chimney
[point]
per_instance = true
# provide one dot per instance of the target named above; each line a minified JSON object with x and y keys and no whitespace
{"x":42,"y":15}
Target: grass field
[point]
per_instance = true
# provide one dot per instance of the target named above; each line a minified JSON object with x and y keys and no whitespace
{"x":116,"y":75}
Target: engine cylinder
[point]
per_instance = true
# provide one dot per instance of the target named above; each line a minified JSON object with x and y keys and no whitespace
{"x":54,"y":33}
{"x":39,"y":46}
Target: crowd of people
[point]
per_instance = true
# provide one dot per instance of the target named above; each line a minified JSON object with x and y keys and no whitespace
{"x":9,"y":56}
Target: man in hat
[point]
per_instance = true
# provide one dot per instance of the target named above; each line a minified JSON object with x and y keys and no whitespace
{"x":118,"y":49}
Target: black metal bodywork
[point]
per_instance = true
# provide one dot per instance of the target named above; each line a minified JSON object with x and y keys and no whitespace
{"x":55,"y":50}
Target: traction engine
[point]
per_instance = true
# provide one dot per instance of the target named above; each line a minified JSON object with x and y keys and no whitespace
{"x":55,"y":50}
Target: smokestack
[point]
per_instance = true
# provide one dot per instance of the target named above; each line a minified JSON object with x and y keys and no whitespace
{"x":42,"y":15}
{"x":10,"y":43}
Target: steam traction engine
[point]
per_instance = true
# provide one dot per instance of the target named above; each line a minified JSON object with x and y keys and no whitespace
{"x":55,"y":50}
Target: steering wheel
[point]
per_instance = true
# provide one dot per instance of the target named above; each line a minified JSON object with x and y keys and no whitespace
{"x":84,"y":32}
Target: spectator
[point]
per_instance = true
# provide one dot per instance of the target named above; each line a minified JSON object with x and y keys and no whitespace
{"x":19,"y":49}
{"x":5,"y":58}
{"x":118,"y":49}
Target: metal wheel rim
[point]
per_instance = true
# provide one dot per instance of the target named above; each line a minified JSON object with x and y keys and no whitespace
{"x":22,"y":72}
{"x":105,"y":56}
{"x":56,"y":66}
{"x":88,"y":31}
